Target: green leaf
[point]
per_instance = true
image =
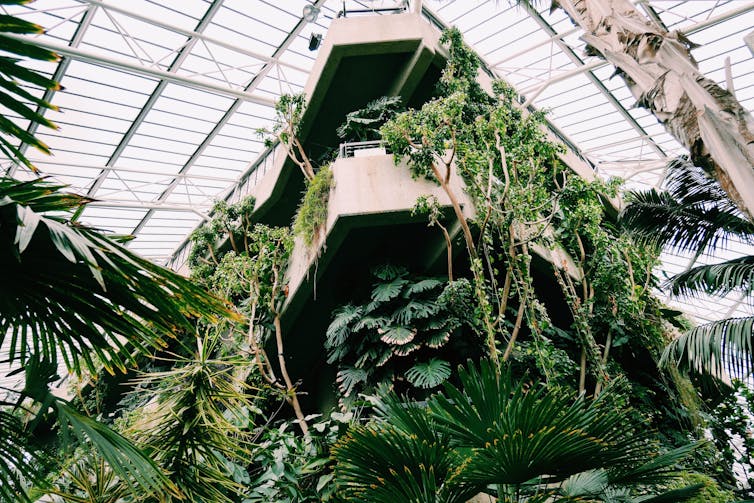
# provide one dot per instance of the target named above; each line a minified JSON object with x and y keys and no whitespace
{"x":384,"y":292}
{"x":27,"y":224}
{"x":423,"y":286}
{"x":388,"y":272}
{"x":397,"y":335}
{"x":348,"y":378}
{"x":339,"y":328}
{"x":429,"y":374}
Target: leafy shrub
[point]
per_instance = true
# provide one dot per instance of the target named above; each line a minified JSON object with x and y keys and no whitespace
{"x":405,"y":332}
{"x":312,"y":213}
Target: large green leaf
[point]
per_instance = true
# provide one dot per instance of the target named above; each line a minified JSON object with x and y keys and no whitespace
{"x":397,"y":335}
{"x":340,"y":327}
{"x":384,"y":292}
{"x":428,"y":374}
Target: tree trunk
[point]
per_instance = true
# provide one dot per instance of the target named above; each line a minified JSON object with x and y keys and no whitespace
{"x":662,"y":75}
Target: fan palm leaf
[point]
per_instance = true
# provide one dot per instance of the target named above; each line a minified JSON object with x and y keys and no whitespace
{"x":493,"y":432}
{"x":70,"y":289}
{"x":402,"y":456}
{"x":532,"y":433}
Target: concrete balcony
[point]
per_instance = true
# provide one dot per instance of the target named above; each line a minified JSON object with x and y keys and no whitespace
{"x":361,"y":59}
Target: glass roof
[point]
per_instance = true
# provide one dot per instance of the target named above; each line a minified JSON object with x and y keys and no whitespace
{"x":162,"y":98}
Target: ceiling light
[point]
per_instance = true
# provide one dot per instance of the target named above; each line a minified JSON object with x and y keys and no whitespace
{"x":314,"y":41}
{"x":310,"y":13}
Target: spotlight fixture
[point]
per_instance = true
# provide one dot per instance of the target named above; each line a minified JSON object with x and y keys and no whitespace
{"x":314,"y":41}
{"x":310,"y":13}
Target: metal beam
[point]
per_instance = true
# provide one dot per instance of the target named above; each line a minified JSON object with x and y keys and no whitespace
{"x":149,"y":104}
{"x":125,"y":65}
{"x":146,"y":205}
{"x":255,"y":82}
{"x":196,"y":34}
{"x":57,"y":77}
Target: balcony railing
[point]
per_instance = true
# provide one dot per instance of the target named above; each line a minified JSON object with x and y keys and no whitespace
{"x":362,"y":148}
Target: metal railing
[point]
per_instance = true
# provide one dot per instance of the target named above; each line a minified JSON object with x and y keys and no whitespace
{"x":356,"y":148}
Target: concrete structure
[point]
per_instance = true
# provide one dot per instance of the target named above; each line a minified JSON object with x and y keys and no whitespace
{"x":369,"y":211}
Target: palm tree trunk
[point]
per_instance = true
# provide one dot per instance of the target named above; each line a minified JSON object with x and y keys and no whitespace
{"x":661,"y":73}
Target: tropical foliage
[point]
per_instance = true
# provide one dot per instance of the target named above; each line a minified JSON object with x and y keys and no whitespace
{"x":74,"y":292}
{"x":404,"y":333}
{"x":695,"y":215}
{"x":311,"y":216}
{"x":364,"y":124}
{"x":192,"y":422}
{"x":13,"y":93}
{"x":530,"y":444}
{"x":563,"y":409}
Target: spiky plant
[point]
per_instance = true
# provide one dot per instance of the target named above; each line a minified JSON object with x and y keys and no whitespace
{"x":529,"y":444}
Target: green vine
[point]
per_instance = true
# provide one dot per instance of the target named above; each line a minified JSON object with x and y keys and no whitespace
{"x":312,"y":212}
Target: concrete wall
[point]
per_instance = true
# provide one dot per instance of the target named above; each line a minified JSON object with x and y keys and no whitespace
{"x":366,"y":188}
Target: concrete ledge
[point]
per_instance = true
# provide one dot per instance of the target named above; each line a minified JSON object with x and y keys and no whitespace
{"x":367,"y":191}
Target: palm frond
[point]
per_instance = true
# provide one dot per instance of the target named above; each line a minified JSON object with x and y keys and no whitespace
{"x":189,"y":427}
{"x":715,"y":347}
{"x":716,"y":279}
{"x":69,"y":289}
{"x":693,"y":214}
{"x":531,"y":433}
{"x":588,"y":483}
{"x":401,"y":457}
{"x":13,"y":76}
{"x":19,"y":467}
{"x":125,"y":459}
